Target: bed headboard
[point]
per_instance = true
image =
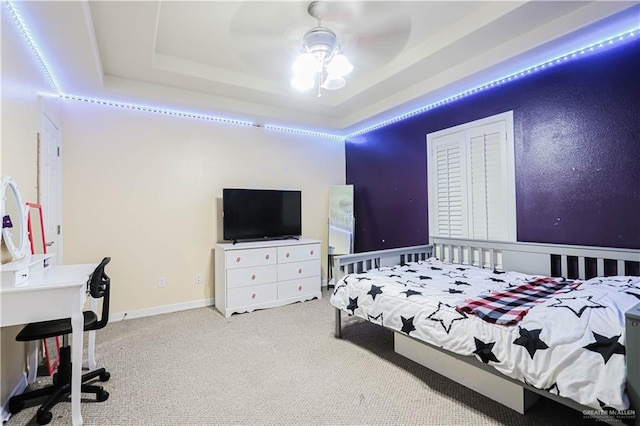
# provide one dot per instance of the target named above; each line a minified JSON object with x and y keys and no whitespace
{"x":574,"y":262}
{"x":568,"y":261}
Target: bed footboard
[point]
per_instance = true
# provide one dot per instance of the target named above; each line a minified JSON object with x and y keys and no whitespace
{"x":360,"y":262}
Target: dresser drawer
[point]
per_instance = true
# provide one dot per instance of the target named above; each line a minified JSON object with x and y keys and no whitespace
{"x":252,"y":295}
{"x":292,"y":271}
{"x":242,"y":277}
{"x":298,"y":288}
{"x":298,"y":253}
{"x":251,"y":257}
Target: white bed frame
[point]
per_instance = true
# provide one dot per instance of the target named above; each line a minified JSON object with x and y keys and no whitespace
{"x":530,"y":258}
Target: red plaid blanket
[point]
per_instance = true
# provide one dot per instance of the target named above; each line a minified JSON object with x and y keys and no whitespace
{"x":510,"y":306}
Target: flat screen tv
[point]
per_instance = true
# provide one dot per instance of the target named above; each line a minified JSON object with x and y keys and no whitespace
{"x":253,"y":214}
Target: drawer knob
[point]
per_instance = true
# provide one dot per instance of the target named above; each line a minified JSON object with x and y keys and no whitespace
{"x":253,"y":295}
{"x":267,"y":257}
{"x":311,"y":252}
{"x":238,"y":259}
{"x":286,"y":255}
{"x":253,"y":277}
{"x":300,"y":270}
{"x":299,"y":288}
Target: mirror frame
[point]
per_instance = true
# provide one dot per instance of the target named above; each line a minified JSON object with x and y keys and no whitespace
{"x":10,"y":188}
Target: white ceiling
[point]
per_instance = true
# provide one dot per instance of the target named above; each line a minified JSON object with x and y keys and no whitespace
{"x":233,"y":59}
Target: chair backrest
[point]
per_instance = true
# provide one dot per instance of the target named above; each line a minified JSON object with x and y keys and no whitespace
{"x":100,"y":287}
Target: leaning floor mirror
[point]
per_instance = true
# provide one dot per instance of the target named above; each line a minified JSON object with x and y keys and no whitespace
{"x":341,"y":220}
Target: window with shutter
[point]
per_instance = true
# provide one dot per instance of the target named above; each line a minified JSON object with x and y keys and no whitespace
{"x":472,"y":180}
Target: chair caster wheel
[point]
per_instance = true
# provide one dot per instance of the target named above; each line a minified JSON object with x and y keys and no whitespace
{"x":104,"y":377}
{"x":15,"y":406}
{"x":43,"y":417}
{"x":102,"y":396}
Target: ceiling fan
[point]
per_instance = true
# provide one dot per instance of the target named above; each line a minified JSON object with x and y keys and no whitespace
{"x":321,"y":59}
{"x":370,"y":33}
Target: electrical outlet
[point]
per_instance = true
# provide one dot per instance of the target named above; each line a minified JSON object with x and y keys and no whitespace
{"x":162,"y":282}
{"x":198,"y":279}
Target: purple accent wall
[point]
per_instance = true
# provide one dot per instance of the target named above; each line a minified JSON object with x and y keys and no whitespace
{"x":577,"y":158}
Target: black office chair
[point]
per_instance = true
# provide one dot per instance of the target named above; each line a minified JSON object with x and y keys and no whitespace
{"x":99,"y":284}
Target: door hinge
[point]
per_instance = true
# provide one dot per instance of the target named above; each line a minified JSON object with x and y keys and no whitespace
{"x":58,"y":151}
{"x":58,"y":229}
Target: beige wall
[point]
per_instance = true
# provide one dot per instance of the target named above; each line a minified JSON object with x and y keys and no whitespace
{"x":143,"y":188}
{"x":22,"y":83}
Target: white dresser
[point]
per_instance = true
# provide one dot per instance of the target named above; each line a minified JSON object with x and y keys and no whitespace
{"x":266,"y":274}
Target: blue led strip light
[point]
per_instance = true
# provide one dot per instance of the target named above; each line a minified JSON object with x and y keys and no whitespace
{"x":303,"y":132}
{"x":175,"y":113}
{"x":197,"y":116}
{"x":32,"y":44}
{"x":592,"y":48}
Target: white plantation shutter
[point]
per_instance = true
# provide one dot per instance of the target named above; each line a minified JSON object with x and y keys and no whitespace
{"x":487,"y":164}
{"x":471,"y":180}
{"x":450,"y":186}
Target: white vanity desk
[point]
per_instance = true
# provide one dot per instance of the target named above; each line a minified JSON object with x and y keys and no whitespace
{"x":59,"y":292}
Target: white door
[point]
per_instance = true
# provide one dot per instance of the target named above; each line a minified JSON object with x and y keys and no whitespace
{"x":50,"y":184}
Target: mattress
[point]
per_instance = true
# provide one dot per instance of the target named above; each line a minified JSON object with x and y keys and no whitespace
{"x":569,"y":342}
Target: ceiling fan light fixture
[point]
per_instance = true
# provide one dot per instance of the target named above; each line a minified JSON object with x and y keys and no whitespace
{"x":321,"y":58}
{"x":339,"y":65}
{"x":302,"y":83}
{"x":306,"y":64}
{"x":333,"y":82}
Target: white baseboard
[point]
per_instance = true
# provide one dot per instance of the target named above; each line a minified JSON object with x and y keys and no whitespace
{"x":141,"y":313}
{"x":17,"y":389}
{"x":166,"y":309}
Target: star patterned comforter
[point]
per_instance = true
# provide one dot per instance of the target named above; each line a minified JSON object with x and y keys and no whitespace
{"x":571,"y":343}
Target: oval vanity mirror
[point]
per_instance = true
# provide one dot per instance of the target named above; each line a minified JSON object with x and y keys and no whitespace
{"x":14,"y":219}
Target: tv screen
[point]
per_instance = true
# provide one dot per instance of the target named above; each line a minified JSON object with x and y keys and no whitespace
{"x":251,"y":214}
